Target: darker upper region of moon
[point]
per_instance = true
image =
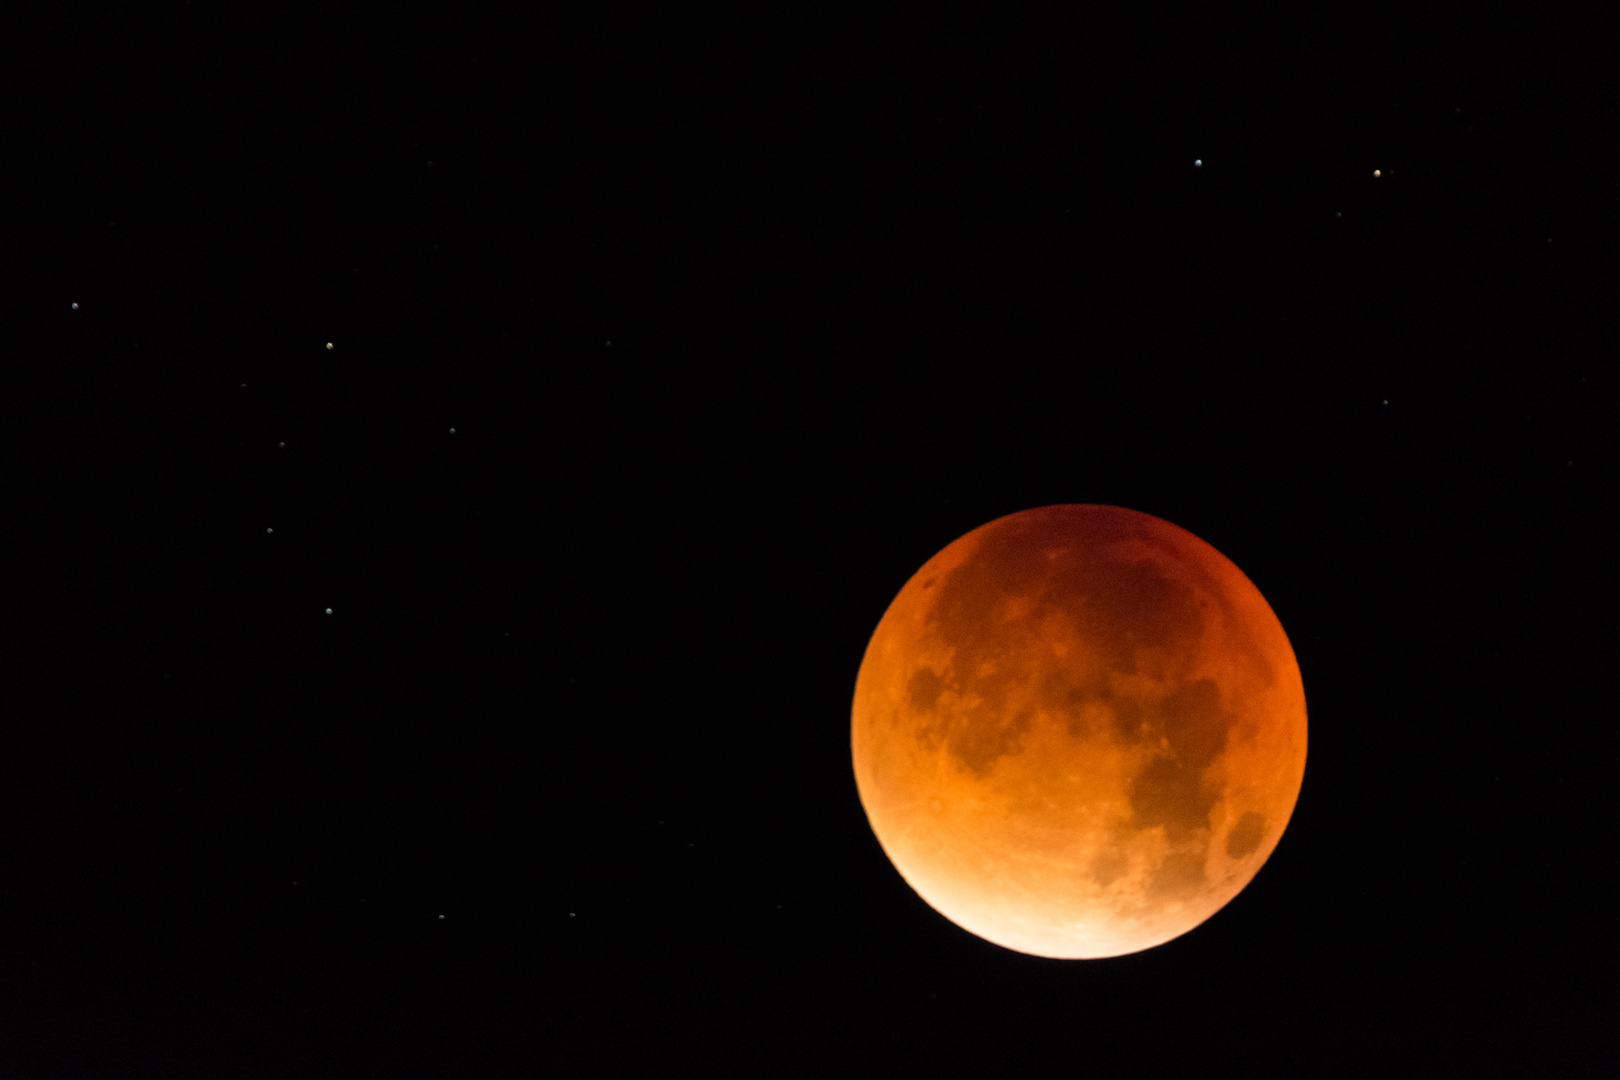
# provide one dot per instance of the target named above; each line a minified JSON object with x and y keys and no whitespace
{"x":1055,"y":560}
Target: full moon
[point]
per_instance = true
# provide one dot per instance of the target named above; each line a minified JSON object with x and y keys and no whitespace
{"x":1078,"y":731}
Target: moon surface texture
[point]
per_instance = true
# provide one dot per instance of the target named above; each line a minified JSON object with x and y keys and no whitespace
{"x":1078,"y":731}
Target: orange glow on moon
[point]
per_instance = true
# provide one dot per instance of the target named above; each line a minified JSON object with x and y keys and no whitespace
{"x":1078,"y":731}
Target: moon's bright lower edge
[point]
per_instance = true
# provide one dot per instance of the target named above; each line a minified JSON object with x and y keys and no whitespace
{"x":1078,"y":731}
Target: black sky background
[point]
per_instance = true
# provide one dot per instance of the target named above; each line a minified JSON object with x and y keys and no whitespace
{"x":739,"y":316}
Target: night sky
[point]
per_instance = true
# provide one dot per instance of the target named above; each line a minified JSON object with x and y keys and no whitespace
{"x":454,"y":462}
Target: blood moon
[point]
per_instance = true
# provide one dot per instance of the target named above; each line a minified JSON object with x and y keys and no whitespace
{"x":1078,"y":731}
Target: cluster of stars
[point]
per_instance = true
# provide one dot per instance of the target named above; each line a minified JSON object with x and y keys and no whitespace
{"x":330,"y":346}
{"x":1198,"y":163}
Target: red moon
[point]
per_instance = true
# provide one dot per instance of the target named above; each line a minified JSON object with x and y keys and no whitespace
{"x":1078,"y":731}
